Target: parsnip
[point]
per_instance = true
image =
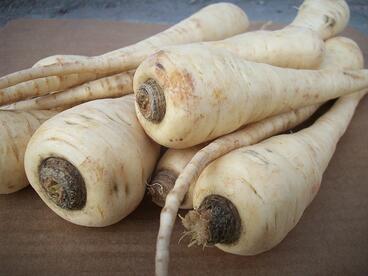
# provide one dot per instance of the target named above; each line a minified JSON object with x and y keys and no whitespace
{"x":326,"y":17}
{"x":304,"y":39}
{"x":269,"y":185}
{"x":213,"y":22}
{"x":16,"y":128}
{"x":341,"y":52}
{"x":298,"y":45}
{"x":261,"y":191}
{"x":108,"y":87}
{"x":174,"y":162}
{"x":89,"y":164}
{"x":214,"y":90}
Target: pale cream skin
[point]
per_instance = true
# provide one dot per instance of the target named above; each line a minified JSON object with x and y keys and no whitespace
{"x":16,"y":128}
{"x":337,"y":51}
{"x":271,"y":183}
{"x":228,"y":19}
{"x":104,"y":141}
{"x":176,"y":160}
{"x":219,"y":101}
{"x":106,"y":87}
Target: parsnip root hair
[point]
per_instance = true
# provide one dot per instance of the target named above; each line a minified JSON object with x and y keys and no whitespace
{"x":90,"y":163}
{"x":228,"y":19}
{"x":16,"y":128}
{"x":342,"y":53}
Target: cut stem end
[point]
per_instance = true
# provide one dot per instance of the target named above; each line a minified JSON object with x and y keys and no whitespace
{"x":63,"y":183}
{"x":215,"y":221}
{"x":151,"y":101}
{"x":162,"y":183}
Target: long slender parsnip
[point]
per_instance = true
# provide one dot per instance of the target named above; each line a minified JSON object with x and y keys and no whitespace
{"x":298,"y":45}
{"x":341,"y":52}
{"x":215,"y":91}
{"x":214,"y":22}
{"x":16,"y":128}
{"x":89,"y":164}
{"x":108,"y":87}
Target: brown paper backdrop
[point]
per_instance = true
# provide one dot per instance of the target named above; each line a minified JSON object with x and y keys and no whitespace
{"x":331,"y":238}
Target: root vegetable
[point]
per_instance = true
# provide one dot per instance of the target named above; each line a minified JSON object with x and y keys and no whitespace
{"x":326,"y":17}
{"x":213,"y":22}
{"x":174,"y":162}
{"x":341,"y":52}
{"x":263,"y":189}
{"x":214,"y":90}
{"x":89,"y":164}
{"x":109,"y":87}
{"x":16,"y":128}
{"x":298,"y":45}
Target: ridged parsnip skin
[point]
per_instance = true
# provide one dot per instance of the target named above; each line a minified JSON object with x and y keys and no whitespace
{"x":104,"y":141}
{"x":273,"y":182}
{"x":108,"y":87}
{"x":43,"y":86}
{"x":215,"y":91}
{"x":291,"y":47}
{"x":213,"y":22}
{"x":16,"y":128}
{"x":58,"y":59}
{"x":326,"y":17}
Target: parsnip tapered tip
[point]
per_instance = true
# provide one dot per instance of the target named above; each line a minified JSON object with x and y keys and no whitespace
{"x":151,"y":101}
{"x":215,"y":221}
{"x":162,"y":183}
{"x":63,"y":183}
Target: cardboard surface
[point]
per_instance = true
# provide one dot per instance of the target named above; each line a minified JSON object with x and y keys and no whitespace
{"x":330,"y":239}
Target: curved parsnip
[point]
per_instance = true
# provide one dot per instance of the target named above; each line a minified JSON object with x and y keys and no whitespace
{"x":342,"y":53}
{"x":108,"y":87}
{"x":16,"y":128}
{"x":262,"y":190}
{"x":89,"y":164}
{"x":214,"y":22}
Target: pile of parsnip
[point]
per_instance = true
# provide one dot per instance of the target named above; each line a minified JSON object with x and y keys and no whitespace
{"x":217,"y":97}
